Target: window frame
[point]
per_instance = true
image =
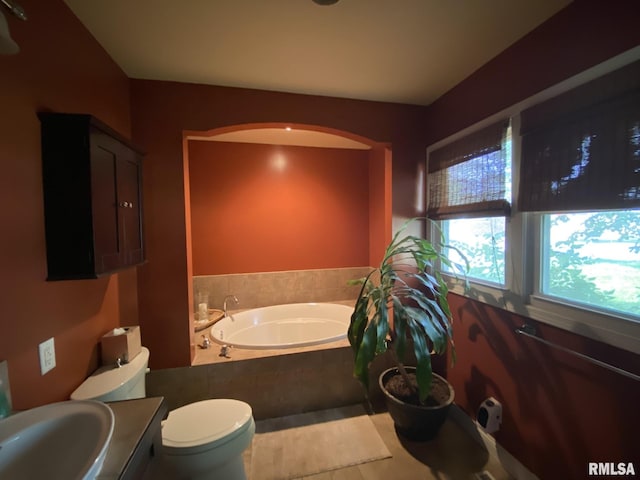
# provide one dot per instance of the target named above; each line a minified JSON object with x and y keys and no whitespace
{"x":523,"y":230}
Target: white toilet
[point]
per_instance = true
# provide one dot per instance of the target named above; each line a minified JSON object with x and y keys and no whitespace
{"x":202,"y":440}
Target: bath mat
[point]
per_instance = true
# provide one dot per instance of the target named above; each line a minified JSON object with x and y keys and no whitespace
{"x":306,"y":444}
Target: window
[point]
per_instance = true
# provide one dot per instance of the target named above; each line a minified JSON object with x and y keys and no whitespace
{"x":482,"y":241}
{"x":592,"y":259}
{"x":580,"y":170}
{"x":568,"y":254}
{"x":470,"y":192}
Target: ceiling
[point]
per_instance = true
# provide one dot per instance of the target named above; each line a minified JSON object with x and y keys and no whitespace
{"x":403,"y":51}
{"x":286,"y":136}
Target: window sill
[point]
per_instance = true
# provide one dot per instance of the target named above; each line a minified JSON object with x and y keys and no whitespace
{"x":612,"y":330}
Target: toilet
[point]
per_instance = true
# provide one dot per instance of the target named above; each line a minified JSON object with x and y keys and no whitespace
{"x":202,"y":440}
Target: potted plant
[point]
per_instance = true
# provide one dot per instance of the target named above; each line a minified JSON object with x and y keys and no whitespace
{"x":403,"y":306}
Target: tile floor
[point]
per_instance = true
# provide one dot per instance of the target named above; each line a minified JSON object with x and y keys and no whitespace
{"x":453,"y":455}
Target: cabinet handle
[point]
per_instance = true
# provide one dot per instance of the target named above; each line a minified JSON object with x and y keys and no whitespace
{"x":124,"y":204}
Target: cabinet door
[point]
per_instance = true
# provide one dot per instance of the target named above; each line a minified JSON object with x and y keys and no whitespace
{"x":91,"y":184}
{"x":128,"y":190}
{"x":104,"y":198}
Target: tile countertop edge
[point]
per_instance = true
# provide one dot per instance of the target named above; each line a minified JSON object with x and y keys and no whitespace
{"x":136,"y":429}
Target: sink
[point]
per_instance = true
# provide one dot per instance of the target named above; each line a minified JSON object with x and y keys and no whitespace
{"x":66,"y":440}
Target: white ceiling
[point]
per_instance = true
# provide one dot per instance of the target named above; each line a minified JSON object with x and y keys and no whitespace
{"x":404,"y":51}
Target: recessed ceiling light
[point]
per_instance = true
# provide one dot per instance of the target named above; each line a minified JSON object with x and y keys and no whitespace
{"x":325,"y":2}
{"x":288,"y":129}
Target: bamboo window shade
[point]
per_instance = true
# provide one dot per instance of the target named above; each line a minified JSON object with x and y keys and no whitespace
{"x":581,"y":149}
{"x":466,"y":178}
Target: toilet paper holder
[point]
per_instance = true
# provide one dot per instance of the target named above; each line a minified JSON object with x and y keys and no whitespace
{"x":490,"y":415}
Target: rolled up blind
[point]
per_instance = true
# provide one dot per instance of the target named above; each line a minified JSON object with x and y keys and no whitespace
{"x":466,"y":178}
{"x":581,"y":149}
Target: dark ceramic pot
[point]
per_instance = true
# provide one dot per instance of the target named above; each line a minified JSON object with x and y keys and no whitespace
{"x":416,"y":422}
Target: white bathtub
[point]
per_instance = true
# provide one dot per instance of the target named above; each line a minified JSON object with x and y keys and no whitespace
{"x":284,"y":326}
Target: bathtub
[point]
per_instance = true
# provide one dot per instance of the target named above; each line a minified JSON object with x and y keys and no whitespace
{"x":284,"y":326}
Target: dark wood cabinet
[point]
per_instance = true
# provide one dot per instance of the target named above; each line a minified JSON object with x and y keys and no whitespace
{"x":92,"y":197}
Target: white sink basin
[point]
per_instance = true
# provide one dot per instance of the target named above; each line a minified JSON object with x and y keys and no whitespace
{"x":66,"y":440}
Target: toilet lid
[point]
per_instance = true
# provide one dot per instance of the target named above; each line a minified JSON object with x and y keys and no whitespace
{"x":204,"y":422}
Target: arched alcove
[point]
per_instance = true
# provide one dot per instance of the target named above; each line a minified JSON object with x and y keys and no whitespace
{"x":264,"y":198}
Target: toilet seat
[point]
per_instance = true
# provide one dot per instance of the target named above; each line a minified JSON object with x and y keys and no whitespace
{"x":205,"y":425}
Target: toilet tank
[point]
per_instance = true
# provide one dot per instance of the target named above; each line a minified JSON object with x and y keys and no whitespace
{"x":111,"y":383}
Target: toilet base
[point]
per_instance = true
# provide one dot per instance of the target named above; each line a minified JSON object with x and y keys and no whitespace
{"x":230,"y":470}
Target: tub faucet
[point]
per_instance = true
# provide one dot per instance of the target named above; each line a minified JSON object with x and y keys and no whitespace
{"x":224,"y":303}
{"x":224,"y":351}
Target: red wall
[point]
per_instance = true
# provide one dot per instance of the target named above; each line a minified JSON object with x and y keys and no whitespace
{"x":560,"y":412}
{"x":60,"y":67}
{"x":583,"y":34}
{"x":161,"y":114}
{"x":380,"y":211}
{"x":262,"y":208}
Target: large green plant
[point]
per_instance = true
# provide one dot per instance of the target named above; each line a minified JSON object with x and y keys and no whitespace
{"x":404,"y":298}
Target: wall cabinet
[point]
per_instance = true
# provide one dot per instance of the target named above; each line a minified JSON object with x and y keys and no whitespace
{"x":92,"y":197}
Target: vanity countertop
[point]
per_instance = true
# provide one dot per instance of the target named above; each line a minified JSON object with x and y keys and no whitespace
{"x":136,"y":440}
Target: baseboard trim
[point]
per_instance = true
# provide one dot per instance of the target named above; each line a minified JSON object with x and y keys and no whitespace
{"x":510,"y":463}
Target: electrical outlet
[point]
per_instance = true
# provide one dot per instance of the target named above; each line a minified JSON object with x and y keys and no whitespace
{"x":47,"y":356}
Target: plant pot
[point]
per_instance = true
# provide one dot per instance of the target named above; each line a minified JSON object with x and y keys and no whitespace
{"x":417,"y":422}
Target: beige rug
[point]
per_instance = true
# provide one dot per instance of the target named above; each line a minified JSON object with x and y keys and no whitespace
{"x":310,"y":443}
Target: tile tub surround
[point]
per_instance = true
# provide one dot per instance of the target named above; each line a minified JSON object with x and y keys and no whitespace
{"x":275,"y":288}
{"x":274,"y":386}
{"x":274,"y":382}
{"x":211,"y":355}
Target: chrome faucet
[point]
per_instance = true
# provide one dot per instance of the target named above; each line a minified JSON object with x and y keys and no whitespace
{"x":224,"y":351}
{"x":224,"y":303}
